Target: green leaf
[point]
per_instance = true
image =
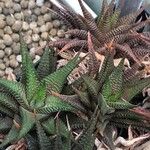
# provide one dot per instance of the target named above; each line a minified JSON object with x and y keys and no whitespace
{"x":6,"y":111}
{"x":107,"y":91}
{"x":73,"y":100}
{"x":126,"y":114}
{"x":5,"y":124}
{"x":44,"y":141}
{"x":29,"y":73}
{"x":57,"y":79}
{"x":27,"y":122}
{"x":32,"y":143}
{"x":87,"y":138}
{"x":116,"y":78}
{"x":114,"y":19}
{"x":125,"y":123}
{"x":67,"y":143}
{"x":8,"y":102}
{"x":16,"y":89}
{"x":47,"y":63}
{"x":122,"y":104}
{"x":113,"y":87}
{"x":54,"y":104}
{"x":103,"y":106}
{"x":38,"y":99}
{"x":92,"y":86}
{"x":11,"y":136}
{"x":58,"y":139}
{"x":132,"y":90}
{"x":84,"y":97}
{"x":49,"y":126}
{"x":106,"y":68}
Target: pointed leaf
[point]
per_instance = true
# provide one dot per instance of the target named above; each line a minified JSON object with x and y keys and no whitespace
{"x":54,"y":104}
{"x":12,"y":135}
{"x":5,"y":124}
{"x":86,"y":140}
{"x":133,"y":89}
{"x":116,"y":78}
{"x":44,"y":141}
{"x":92,"y":85}
{"x":8,"y":102}
{"x":16,"y":89}
{"x":57,"y":79}
{"x":106,"y":68}
{"x":6,"y":111}
{"x":29,"y":73}
{"x":32,"y":143}
{"x":47,"y":63}
{"x":27,"y":122}
{"x":121,"y":105}
{"x":38,"y":99}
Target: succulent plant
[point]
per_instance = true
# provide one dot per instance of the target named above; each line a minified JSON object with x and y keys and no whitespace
{"x":110,"y":92}
{"x":107,"y":27}
{"x":47,"y":112}
{"x":29,"y":103}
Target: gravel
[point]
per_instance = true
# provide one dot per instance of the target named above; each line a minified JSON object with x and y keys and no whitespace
{"x":2,"y":23}
{"x":1,"y":33}
{"x":16,"y":48}
{"x":61,"y":33}
{"x":53,"y":32}
{"x":8,"y":51}
{"x":13,"y":63}
{"x":2,"y":53}
{"x":10,"y":20}
{"x":8,"y":30}
{"x":19,"y":58}
{"x":16,"y":7}
{"x":7,"y":40}
{"x":56,"y":23}
{"x":35,"y":37}
{"x":2,"y":66}
{"x":36,"y":23}
{"x":15,"y":37}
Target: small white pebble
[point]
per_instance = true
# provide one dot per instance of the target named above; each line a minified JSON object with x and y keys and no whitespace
{"x":17,"y":26}
{"x":2,"y":23}
{"x":2,"y":66}
{"x":37,"y":57}
{"x":31,"y":4}
{"x":33,"y":25}
{"x":39,"y":2}
{"x":10,"y":20}
{"x":8,"y":51}
{"x":2,"y":54}
{"x":35,"y":37}
{"x":19,"y":58}
{"x":7,"y":40}
{"x":13,"y":63}
{"x":8,"y":70}
{"x":44,"y":35}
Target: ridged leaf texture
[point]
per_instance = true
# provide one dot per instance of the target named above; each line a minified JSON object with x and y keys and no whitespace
{"x":44,"y":141}
{"x":29,"y":73}
{"x":56,"y":80}
{"x":47,"y":64}
{"x":54,"y":104}
{"x":109,"y":25}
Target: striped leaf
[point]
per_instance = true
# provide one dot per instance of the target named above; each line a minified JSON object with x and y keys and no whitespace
{"x":57,"y":79}
{"x":29,"y":73}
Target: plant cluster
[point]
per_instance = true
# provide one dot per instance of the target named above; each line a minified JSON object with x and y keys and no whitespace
{"x":108,"y":25}
{"x":46,"y":111}
{"x":49,"y":113}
